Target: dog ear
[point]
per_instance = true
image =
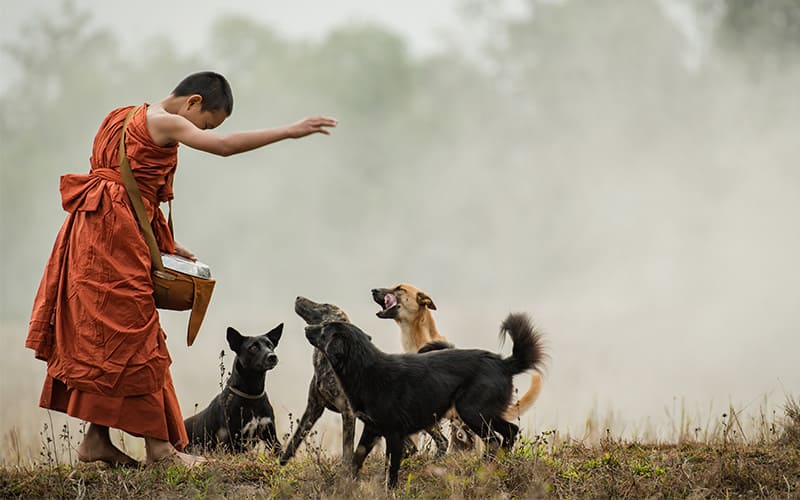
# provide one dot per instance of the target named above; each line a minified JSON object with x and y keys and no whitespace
{"x":274,"y":335}
{"x":424,"y":300}
{"x":335,"y":348}
{"x":234,"y":339}
{"x":313,"y":332}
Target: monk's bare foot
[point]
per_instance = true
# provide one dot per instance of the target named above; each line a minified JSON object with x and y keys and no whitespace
{"x":178,"y":458}
{"x":190,"y":460}
{"x":163,"y":453}
{"x":97,"y":447}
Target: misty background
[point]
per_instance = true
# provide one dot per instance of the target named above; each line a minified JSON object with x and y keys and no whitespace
{"x":624,"y":171}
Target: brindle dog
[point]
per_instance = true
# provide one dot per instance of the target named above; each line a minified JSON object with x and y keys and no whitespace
{"x":324,"y":390}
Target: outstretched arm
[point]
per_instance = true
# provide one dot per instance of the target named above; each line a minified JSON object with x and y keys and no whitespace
{"x":166,"y":128}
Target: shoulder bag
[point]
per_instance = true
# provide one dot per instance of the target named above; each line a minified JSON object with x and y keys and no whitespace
{"x":172,"y":289}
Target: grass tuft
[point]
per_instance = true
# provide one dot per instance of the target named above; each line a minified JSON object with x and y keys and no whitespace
{"x":730,"y":464}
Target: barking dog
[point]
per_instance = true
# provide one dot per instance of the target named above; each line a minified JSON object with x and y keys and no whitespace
{"x":399,"y":394}
{"x":411,"y":309}
{"x":241,"y":414}
{"x":324,"y":390}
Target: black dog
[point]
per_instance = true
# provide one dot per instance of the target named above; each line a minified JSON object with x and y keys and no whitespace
{"x":241,"y":414}
{"x":324,"y":390}
{"x":398,"y":394}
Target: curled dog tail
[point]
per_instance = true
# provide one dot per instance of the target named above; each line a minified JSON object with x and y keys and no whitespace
{"x":528,"y":352}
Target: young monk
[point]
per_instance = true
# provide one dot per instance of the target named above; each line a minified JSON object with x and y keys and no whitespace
{"x":94,"y":320}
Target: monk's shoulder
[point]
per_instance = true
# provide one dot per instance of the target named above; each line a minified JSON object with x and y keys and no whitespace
{"x":162,"y":125}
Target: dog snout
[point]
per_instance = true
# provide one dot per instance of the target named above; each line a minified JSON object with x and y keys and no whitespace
{"x":272,"y":358}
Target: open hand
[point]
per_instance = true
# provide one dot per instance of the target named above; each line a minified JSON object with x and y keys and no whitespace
{"x":184,"y":252}
{"x":308,"y":126}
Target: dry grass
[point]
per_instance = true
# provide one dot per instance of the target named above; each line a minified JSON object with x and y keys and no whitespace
{"x":726,"y":465}
{"x":791,"y":427}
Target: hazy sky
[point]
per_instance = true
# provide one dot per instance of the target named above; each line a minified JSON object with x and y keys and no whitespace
{"x":423,"y":23}
{"x":186,"y":20}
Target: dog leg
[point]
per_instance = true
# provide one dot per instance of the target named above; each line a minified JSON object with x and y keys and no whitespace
{"x":314,"y":408}
{"x":489,"y":430}
{"x":348,"y":435}
{"x":365,"y":444}
{"x":439,"y":438}
{"x":394,"y":454}
{"x":482,"y":427}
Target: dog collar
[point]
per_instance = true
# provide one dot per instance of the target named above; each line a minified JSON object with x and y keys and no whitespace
{"x":244,"y":394}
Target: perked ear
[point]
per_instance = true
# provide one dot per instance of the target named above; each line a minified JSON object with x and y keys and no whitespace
{"x":234,"y":339}
{"x":426,"y":301}
{"x":274,"y":335}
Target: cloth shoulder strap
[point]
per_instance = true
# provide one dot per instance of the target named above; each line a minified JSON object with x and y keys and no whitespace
{"x":136,"y":197}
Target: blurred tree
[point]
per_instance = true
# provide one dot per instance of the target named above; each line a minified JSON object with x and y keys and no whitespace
{"x":46,"y":131}
{"x":40,"y":108}
{"x":757,"y":45}
{"x":590,"y":88}
{"x":570,"y":63}
{"x":69,"y":76}
{"x":765,"y":35}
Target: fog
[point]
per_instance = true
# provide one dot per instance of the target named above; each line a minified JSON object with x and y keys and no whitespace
{"x":622,"y":171}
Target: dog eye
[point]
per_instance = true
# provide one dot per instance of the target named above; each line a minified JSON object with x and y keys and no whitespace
{"x":253,"y":348}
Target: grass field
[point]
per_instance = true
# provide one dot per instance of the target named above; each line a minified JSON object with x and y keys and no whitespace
{"x":724,"y":464}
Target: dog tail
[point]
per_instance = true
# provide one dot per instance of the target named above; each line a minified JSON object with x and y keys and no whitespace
{"x":515,"y":410}
{"x":435,"y":345}
{"x":528,"y":352}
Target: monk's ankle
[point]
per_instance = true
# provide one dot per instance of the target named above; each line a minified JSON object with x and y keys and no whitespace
{"x":157,"y":449}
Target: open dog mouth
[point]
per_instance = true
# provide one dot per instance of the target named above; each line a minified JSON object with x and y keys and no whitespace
{"x":388,"y":301}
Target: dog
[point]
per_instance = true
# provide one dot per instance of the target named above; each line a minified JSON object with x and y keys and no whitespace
{"x":324,"y":390}
{"x":395,"y":395}
{"x":411,"y":309}
{"x":241,"y":414}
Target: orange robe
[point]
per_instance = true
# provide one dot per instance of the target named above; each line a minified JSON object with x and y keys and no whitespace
{"x":94,"y":320}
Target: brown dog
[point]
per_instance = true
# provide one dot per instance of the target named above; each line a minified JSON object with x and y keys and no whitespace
{"x":411,"y":309}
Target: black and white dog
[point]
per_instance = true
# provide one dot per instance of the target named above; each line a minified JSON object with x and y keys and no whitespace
{"x":399,"y":394}
{"x":241,"y":414}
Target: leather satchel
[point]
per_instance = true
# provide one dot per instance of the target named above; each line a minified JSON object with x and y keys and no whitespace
{"x":172,"y":289}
